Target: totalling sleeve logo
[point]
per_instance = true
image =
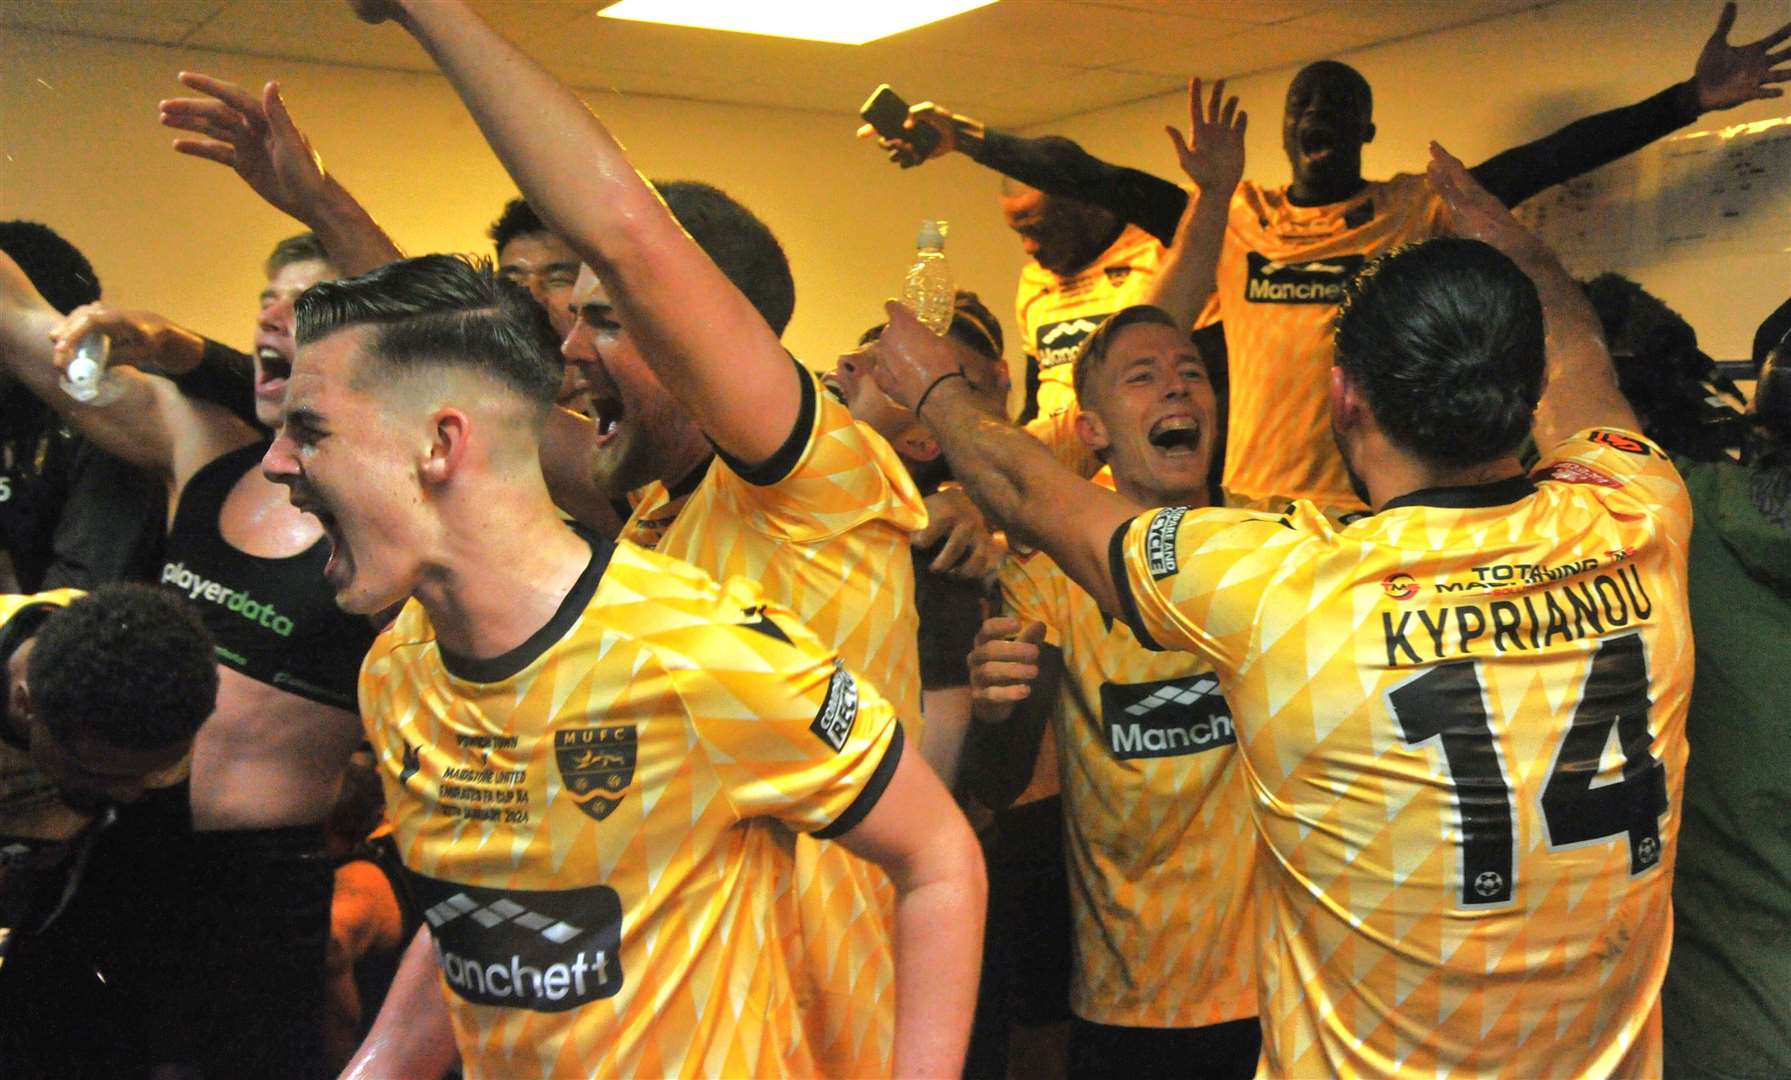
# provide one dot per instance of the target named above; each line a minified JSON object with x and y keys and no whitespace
{"x":596,"y":766}
{"x":1159,"y":542}
{"x":833,"y":724}
{"x":521,"y":949}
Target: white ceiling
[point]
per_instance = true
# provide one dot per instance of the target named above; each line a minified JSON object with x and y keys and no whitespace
{"x":1014,"y":63}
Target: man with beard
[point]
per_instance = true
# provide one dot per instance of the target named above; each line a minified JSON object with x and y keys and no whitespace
{"x":1290,"y":251}
{"x":218,"y":963}
{"x":1462,"y":719}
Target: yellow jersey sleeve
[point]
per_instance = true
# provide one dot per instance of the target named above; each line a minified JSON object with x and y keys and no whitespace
{"x":831,"y":475}
{"x":1625,"y":471}
{"x":801,"y":739}
{"x":1194,"y":579}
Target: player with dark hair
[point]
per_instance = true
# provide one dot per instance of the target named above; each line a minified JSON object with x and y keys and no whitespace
{"x":750,"y":467}
{"x":633,"y":742}
{"x":1461,"y":720}
{"x":1290,"y":250}
{"x":104,"y":692}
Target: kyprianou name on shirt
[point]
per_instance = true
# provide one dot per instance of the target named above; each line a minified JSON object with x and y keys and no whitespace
{"x":1520,"y":621}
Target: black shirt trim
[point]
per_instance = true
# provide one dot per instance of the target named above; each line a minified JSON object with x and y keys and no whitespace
{"x":1466,"y":496}
{"x":1122,"y":584}
{"x":873,"y":790}
{"x":504,"y":666}
{"x":781,"y":464}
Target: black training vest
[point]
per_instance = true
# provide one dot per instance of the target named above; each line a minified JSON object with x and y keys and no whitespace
{"x":274,"y":620}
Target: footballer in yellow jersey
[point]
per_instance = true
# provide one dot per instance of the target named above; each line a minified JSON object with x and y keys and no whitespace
{"x":1159,"y":842}
{"x":1465,"y":743}
{"x":1057,"y":311}
{"x":597,"y":825}
{"x":1281,"y":274}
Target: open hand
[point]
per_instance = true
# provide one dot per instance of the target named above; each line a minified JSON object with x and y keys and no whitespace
{"x":1728,"y":75}
{"x":970,"y":551}
{"x":256,"y":137}
{"x":1212,"y":154}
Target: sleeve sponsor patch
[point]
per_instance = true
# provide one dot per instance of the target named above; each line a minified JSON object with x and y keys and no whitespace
{"x":1159,"y":542}
{"x":833,"y":724}
{"x":1572,"y":472}
{"x":1629,"y":444}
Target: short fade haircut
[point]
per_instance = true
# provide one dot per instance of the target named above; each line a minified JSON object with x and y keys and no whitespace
{"x":1445,"y":339}
{"x":126,"y":665}
{"x":443,"y":310}
{"x":1092,"y":355}
{"x":57,"y":269}
{"x":518,"y":219}
{"x":1349,"y":74}
{"x":305,"y":247}
{"x":739,"y":243}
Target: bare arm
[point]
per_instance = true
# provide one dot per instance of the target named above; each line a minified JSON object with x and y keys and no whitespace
{"x":706,"y":342}
{"x":258,"y":139}
{"x":1010,"y":474}
{"x":919,"y":838}
{"x":1581,"y":389}
{"x":150,"y":425}
{"x":412,"y":1036}
{"x":1213,"y":157}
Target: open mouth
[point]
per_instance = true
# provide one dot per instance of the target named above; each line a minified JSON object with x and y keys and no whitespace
{"x":1318,"y":143}
{"x":1176,"y":435}
{"x":607,"y":412}
{"x":275,"y":367}
{"x":831,"y":380}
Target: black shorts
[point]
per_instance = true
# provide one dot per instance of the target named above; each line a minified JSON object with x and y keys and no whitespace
{"x":207,"y":950}
{"x":1026,"y":943}
{"x":1216,"y":1052}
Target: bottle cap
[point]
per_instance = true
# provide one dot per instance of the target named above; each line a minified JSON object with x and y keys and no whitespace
{"x":932,"y":236}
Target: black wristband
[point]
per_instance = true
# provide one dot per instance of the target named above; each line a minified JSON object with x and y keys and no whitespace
{"x":928,"y":392}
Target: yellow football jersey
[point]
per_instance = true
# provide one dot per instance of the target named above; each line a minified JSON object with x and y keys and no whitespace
{"x":1462,"y":724}
{"x":823,"y":527}
{"x":598,"y":824}
{"x":1156,"y":821}
{"x":1056,"y":314}
{"x":1281,"y":273}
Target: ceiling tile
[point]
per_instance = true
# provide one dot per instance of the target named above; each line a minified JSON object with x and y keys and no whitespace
{"x":162,"y":21}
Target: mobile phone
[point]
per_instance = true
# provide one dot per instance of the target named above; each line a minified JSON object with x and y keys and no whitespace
{"x":885,"y":111}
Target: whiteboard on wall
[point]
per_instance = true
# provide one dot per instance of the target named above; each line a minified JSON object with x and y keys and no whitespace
{"x":1701,"y":219}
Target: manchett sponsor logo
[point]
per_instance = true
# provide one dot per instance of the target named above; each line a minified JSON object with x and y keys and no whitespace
{"x":1166,"y":719}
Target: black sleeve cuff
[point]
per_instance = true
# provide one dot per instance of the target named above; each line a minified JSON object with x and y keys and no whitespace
{"x":223,"y":377}
{"x":873,"y":790}
{"x":780,"y":465}
{"x":1122,"y":584}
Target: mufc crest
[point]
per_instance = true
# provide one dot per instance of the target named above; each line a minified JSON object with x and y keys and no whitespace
{"x":596,"y":766}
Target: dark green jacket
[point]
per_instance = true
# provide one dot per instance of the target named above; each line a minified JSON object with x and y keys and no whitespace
{"x":1727,"y":1002}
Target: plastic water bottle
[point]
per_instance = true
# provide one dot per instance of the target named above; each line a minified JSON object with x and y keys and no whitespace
{"x":88,"y":378}
{"x":930,"y":292}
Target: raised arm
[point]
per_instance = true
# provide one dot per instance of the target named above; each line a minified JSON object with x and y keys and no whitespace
{"x":1010,"y":474}
{"x":412,"y":1036}
{"x":1212,"y":155}
{"x":1581,"y":389}
{"x":1725,"y":76}
{"x":1053,"y":164}
{"x":257,"y":138}
{"x":150,"y":425}
{"x":704,"y":340}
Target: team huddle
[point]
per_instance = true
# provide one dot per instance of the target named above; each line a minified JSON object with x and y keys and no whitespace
{"x":1310,"y":664}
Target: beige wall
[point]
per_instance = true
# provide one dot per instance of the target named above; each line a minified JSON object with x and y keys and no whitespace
{"x":1483,"y":88}
{"x":84,"y":153}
